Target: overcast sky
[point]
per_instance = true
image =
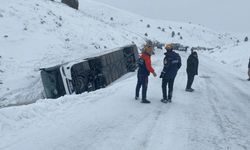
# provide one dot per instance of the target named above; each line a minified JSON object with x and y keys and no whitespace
{"x":221,"y":15}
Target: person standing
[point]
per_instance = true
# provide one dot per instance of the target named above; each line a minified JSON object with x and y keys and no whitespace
{"x":172,"y":63}
{"x":144,"y":71}
{"x":192,"y":70}
{"x":249,"y":70}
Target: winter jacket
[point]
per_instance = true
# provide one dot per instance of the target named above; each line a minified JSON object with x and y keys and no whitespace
{"x":144,"y":64}
{"x":249,"y":64}
{"x":172,"y":63}
{"x":192,"y":64}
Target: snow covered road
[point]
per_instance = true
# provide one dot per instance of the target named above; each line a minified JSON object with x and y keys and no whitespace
{"x":216,"y":116}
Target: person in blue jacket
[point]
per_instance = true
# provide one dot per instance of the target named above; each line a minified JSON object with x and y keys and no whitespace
{"x":172,"y":63}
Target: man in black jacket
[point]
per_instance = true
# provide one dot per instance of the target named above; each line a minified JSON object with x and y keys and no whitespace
{"x":172,"y":63}
{"x":192,"y":70}
{"x":249,"y":70}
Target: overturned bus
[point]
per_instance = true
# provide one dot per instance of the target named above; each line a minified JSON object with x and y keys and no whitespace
{"x":89,"y":74}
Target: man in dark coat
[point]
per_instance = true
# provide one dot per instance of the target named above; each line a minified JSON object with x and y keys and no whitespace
{"x":172,"y":63}
{"x":249,"y":70}
{"x":144,"y":71}
{"x":192,"y":70}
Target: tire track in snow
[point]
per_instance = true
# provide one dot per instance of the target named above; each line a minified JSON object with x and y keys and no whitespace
{"x":229,"y":129}
{"x":218,"y":93}
{"x":150,"y":130}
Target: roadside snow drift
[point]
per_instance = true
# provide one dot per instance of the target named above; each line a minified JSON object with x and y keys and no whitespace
{"x":236,"y":56}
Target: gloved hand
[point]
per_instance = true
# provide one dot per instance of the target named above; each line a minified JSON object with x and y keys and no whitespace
{"x":154,"y":74}
{"x":162,"y":75}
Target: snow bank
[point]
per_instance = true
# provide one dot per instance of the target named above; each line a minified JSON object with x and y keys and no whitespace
{"x":234,"y":57}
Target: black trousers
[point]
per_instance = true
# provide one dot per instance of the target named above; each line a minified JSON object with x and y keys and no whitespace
{"x":170,"y":83}
{"x":190,"y":81}
{"x":142,"y":82}
{"x":249,"y":72}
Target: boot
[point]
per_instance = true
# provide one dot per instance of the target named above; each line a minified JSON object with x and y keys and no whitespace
{"x":190,"y":90}
{"x":136,"y":98}
{"x":164,"y":101}
{"x":145,"y":101}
